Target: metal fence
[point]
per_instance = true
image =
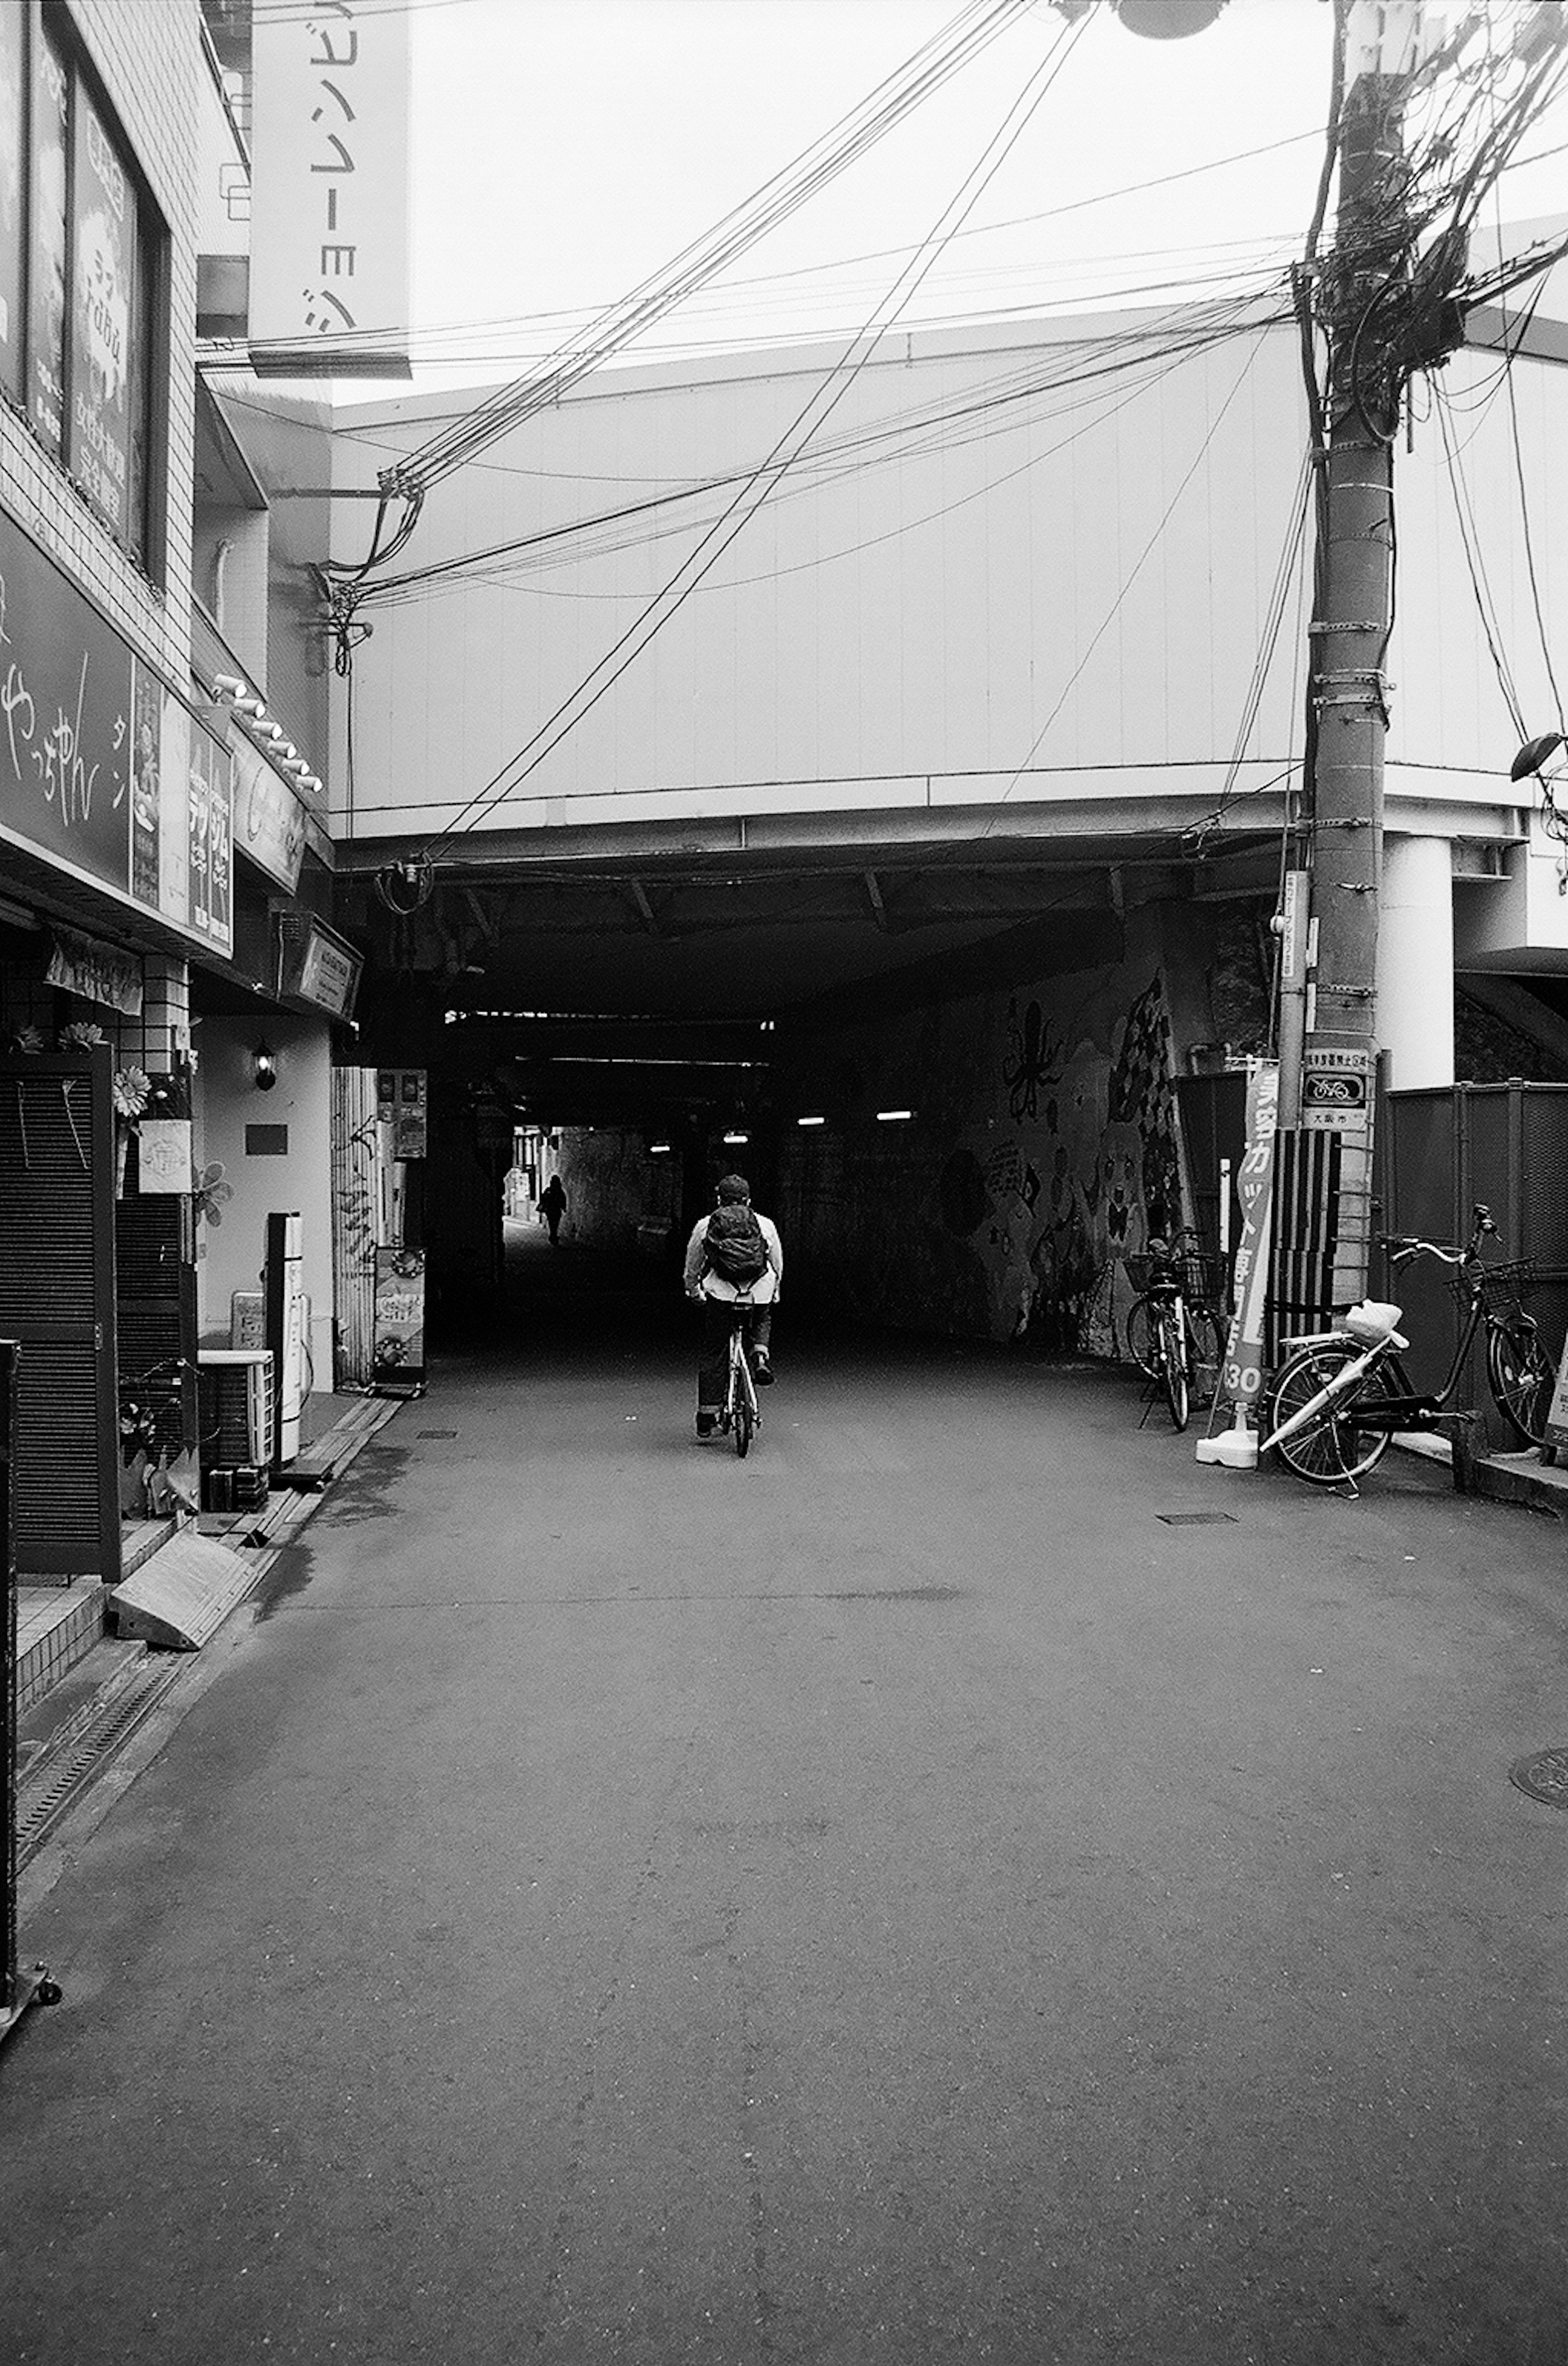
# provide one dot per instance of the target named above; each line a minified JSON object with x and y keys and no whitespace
{"x":1441,"y":1150}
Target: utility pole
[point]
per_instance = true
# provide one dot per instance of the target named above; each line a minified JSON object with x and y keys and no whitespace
{"x":1328,"y":1082}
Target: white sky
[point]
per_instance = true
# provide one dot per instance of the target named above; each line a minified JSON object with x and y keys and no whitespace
{"x":566,"y":148}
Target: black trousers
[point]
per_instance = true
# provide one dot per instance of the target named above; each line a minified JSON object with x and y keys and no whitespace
{"x":713,"y":1356}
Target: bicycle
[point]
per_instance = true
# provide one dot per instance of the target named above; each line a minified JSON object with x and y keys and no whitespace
{"x":1342,"y":1395}
{"x":1173,"y":1334}
{"x":740,"y":1415}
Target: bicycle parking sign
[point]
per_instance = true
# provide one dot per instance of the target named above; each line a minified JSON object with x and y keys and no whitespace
{"x":1335,"y":1089}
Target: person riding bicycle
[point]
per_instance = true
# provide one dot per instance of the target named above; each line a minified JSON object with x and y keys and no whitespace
{"x":733,"y":1254}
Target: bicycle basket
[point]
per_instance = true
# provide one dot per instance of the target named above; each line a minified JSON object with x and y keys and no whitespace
{"x":1500,"y":1284}
{"x":1202,"y":1276}
{"x":1199,"y":1275}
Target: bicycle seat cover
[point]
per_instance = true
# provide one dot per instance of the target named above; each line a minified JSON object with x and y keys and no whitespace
{"x":1374,"y":1321}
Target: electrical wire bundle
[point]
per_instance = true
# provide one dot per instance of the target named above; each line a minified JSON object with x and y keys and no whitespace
{"x":1083,"y":381}
{"x":977,"y":25}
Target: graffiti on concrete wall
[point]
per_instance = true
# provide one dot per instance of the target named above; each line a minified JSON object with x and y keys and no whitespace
{"x":1056,"y":1112}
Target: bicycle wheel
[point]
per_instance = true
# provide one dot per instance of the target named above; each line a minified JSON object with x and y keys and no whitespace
{"x":1140,"y":1337}
{"x":1332,"y":1447}
{"x":745,"y":1419}
{"x":1205,"y":1353}
{"x":1520,"y":1375}
{"x":1171,"y":1347}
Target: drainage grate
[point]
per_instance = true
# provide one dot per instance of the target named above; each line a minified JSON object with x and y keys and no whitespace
{"x":41,"y":1805}
{"x":1544,"y":1777}
{"x":1195,"y":1519}
{"x":435,"y":1432}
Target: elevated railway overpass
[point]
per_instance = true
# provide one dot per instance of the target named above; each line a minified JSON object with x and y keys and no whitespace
{"x":957,"y":786}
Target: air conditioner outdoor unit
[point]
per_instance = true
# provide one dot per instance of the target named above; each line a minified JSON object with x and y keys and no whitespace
{"x":236,"y":1407}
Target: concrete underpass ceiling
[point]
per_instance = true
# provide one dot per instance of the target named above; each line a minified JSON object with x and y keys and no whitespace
{"x":714,"y":942}
{"x":753,"y":969}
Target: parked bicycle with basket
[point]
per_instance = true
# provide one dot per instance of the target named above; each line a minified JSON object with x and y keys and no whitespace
{"x":1174,"y":1333}
{"x":1340,"y":1397}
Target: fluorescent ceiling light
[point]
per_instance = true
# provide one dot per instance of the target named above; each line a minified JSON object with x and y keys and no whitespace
{"x":888,"y":1117}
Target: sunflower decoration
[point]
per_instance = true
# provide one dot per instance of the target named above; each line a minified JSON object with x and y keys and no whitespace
{"x":81,"y":1035}
{"x":28,"y":1039}
{"x":212,"y":1194}
{"x":132,"y":1091}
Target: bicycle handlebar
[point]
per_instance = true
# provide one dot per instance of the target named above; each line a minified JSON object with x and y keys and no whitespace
{"x":1399,"y":1251}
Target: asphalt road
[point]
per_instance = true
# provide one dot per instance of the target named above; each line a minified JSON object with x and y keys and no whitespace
{"x":894,"y":1899}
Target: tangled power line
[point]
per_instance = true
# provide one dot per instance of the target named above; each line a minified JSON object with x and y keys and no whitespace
{"x":1394,"y":297}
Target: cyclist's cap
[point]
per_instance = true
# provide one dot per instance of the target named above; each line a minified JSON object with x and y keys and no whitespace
{"x":733,"y":1187}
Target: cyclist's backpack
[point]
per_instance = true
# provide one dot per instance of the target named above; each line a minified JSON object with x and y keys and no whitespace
{"x":736,"y":1249}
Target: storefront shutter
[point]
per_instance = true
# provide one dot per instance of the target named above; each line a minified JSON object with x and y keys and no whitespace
{"x":155,"y":1305}
{"x":57,"y":1297}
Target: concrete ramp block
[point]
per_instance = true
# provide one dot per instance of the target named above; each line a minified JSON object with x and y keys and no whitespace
{"x":183,"y":1594}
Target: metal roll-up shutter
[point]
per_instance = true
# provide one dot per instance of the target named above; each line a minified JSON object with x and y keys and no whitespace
{"x":57,"y":1298}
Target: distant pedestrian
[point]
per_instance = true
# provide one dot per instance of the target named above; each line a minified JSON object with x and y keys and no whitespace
{"x":552,"y":1207}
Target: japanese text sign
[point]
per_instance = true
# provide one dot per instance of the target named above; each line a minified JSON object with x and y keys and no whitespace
{"x":330,"y":191}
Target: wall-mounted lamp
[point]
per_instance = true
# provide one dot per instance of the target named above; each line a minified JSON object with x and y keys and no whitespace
{"x":263,"y":1068}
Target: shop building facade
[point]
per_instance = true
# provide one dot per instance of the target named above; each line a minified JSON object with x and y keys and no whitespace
{"x":170,"y":977}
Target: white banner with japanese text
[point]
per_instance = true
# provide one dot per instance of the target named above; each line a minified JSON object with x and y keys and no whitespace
{"x":330,"y":191}
{"x":1242,"y":1376}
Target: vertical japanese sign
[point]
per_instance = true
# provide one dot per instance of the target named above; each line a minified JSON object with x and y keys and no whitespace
{"x":1243,"y":1376}
{"x":211,"y":822}
{"x":13,"y":55}
{"x":104,"y":213}
{"x":147,"y":788}
{"x":330,"y":191}
{"x":174,"y":812}
{"x":45,"y":381}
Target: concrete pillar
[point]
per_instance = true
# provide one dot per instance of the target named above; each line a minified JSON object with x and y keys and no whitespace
{"x":1416,"y":963}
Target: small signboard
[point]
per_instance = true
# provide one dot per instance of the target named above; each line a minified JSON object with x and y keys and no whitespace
{"x":315,"y":964}
{"x":401,"y":1102}
{"x":164,"y":1155}
{"x":398,"y":1353}
{"x":98,"y":972}
{"x":1335,"y":1089}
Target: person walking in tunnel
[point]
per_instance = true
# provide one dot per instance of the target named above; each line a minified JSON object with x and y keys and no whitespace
{"x":552,"y":1207}
{"x":735,"y":1253}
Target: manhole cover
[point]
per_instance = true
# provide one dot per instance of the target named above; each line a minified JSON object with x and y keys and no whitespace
{"x":1195,"y":1519}
{"x":435,"y":1432}
{"x":1544,"y":1777}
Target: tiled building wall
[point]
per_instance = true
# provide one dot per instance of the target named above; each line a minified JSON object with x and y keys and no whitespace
{"x":149,"y":56}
